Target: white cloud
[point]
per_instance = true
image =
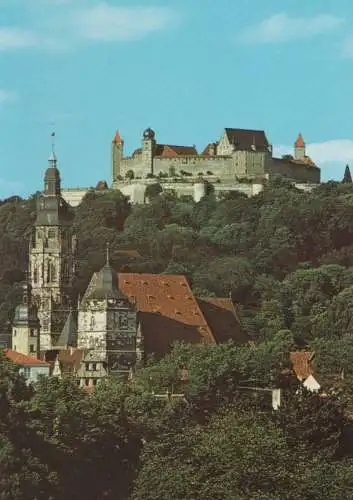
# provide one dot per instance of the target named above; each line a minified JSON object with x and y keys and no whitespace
{"x":347,"y":47}
{"x":106,"y":23}
{"x":16,"y":38}
{"x":6,"y":96}
{"x":282,"y":28}
{"x":69,"y":23}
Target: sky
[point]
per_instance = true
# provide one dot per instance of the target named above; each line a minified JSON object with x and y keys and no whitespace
{"x":186,"y":68}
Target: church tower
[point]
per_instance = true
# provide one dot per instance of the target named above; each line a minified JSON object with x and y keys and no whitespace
{"x":51,"y":256}
{"x":148,"y":148}
{"x":25,"y":326}
{"x":107,"y":322}
{"x":299,"y":148}
{"x":117,"y":156}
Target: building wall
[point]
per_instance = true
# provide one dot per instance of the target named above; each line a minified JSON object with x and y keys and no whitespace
{"x":25,"y":340}
{"x":32,"y":373}
{"x":92,"y":327}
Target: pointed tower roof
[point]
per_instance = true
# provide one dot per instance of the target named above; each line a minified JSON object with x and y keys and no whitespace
{"x":299,"y":143}
{"x":117,"y":138}
{"x":104,"y":285}
{"x":68,"y":333}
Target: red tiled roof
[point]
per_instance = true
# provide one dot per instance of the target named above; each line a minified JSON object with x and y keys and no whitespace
{"x":167,"y":150}
{"x":117,"y":137}
{"x":23,"y":360}
{"x":221,"y":315}
{"x":301,"y":362}
{"x":168,"y":309}
{"x":299,"y":143}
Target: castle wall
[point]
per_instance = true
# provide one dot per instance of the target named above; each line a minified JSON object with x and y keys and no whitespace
{"x":219,"y":166}
{"x":295,"y":172}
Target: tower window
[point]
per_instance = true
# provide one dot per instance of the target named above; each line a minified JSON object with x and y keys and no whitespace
{"x":35,"y":275}
{"x":32,"y":334}
{"x":51,"y":273}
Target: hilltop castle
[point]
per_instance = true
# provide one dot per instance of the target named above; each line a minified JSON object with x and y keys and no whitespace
{"x":238,"y":154}
{"x":240,"y":161}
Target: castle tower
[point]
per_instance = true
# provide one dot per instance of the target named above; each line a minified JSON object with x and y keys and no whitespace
{"x":299,"y":148}
{"x":107,"y":322}
{"x":117,"y":155}
{"x":51,"y":259}
{"x":26,"y":326}
{"x":148,"y":148}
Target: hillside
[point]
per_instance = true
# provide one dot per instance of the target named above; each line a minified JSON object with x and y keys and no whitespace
{"x":285,"y":256}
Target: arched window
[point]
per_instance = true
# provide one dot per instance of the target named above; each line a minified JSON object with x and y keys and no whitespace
{"x":51,"y":272}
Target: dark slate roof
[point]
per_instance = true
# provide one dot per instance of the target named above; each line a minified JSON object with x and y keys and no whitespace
{"x":244,"y":139}
{"x":103,"y":285}
{"x":68,"y":333}
{"x":222,"y":317}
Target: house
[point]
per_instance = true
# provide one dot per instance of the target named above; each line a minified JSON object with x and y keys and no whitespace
{"x":303,"y":369}
{"x":31,"y":368}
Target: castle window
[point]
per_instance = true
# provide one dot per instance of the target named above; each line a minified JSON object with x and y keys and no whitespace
{"x":27,"y":371}
{"x":14,"y":333}
{"x":32,"y":334}
{"x":94,"y":381}
{"x":31,"y":348}
{"x":87,"y":381}
{"x":35,"y":275}
{"x":14,"y":348}
{"x":51,"y":233}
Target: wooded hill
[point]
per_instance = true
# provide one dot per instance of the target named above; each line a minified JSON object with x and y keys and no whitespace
{"x":287,"y":258}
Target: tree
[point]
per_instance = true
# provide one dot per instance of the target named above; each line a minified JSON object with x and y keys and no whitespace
{"x":24,"y":472}
{"x":130,"y":175}
{"x":312,"y":420}
{"x":347,"y":175}
{"x":153,"y":190}
{"x":214,"y":461}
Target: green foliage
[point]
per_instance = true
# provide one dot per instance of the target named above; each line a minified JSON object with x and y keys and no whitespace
{"x":153,"y":190}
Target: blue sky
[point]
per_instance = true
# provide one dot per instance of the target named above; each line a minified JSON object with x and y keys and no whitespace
{"x":187,"y":68}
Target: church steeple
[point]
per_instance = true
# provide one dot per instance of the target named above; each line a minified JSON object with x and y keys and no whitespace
{"x":52,"y":181}
{"x":51,"y":254}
